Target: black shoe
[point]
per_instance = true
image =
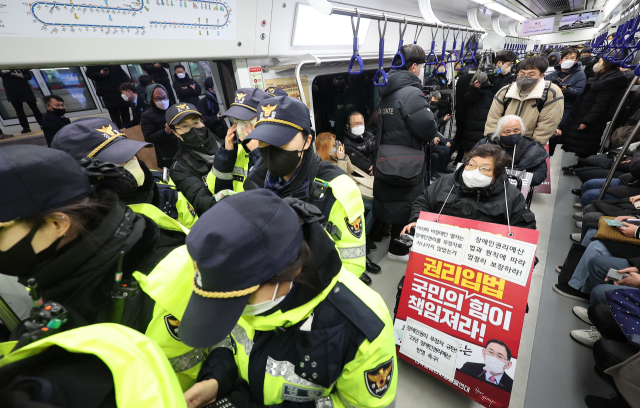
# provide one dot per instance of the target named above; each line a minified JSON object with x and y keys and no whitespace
{"x":386,"y":234}
{"x":371,"y":246}
{"x":577,"y":191}
{"x":372,"y":267}
{"x":568,"y":169}
{"x":565,"y":290}
{"x":366,"y":279}
{"x":27,"y":130}
{"x":615,"y":401}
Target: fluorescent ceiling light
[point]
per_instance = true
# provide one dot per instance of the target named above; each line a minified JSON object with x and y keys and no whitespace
{"x":499,"y":8}
{"x":310,"y":29}
{"x":482,"y":1}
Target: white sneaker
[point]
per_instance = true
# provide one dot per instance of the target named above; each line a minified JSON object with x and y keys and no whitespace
{"x":577,"y":206}
{"x":399,"y":258}
{"x":586,"y":336}
{"x":582,"y":314}
{"x":579,"y":224}
{"x":576,"y":237}
{"x":559,"y":269}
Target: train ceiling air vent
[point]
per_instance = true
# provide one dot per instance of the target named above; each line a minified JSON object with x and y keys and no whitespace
{"x":555,"y":6}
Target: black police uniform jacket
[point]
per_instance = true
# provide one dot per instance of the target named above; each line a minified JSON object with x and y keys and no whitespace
{"x":407,"y":121}
{"x":480,"y":204}
{"x":340,"y":324}
{"x":529,"y":156}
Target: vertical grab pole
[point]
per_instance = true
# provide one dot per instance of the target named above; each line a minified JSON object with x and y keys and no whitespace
{"x":610,"y":128}
{"x":624,"y":149}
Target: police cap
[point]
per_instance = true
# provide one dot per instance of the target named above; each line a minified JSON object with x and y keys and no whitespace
{"x":241,"y":242}
{"x":37,"y":179}
{"x":177,"y":112}
{"x":245,"y":103}
{"x":280,"y":119}
{"x":275,"y":91}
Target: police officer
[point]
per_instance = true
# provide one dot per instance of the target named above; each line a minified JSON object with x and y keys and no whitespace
{"x":91,"y":253}
{"x":152,"y":196}
{"x":285,"y":317}
{"x":236,"y":157}
{"x":275,"y":91}
{"x":290,"y":168}
{"x":103,"y":365}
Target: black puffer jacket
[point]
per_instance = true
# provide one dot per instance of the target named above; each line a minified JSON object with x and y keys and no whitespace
{"x":630,"y":182}
{"x":159,"y":74}
{"x":18,"y":89}
{"x":480,"y":204}
{"x":153,"y":123}
{"x":529,"y":156}
{"x":185,"y":92}
{"x":406,"y":121}
{"x":500,"y":81}
{"x":478,"y":102}
{"x":108,"y":86}
{"x":595,"y":108}
{"x":360,"y":149}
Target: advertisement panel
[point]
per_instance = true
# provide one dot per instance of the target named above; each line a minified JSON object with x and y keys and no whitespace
{"x":532,"y":27}
{"x":579,"y":20}
{"x":463,"y":303}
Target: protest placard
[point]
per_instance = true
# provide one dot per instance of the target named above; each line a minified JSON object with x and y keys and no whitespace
{"x":463,"y":302}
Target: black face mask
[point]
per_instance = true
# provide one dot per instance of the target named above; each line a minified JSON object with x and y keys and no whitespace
{"x":21,"y":260}
{"x":280,"y":162}
{"x":511,"y":140}
{"x":59,"y":112}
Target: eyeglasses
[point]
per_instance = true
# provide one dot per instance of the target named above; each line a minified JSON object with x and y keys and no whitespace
{"x":166,"y":98}
{"x":484,"y":170}
{"x":521,"y":75}
{"x":185,"y":127}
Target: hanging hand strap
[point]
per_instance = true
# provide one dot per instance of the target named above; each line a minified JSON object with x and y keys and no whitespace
{"x":356,"y":53}
{"x":400,"y":44}
{"x":415,"y":39}
{"x":441,"y":68}
{"x":380,"y":72}
{"x":433,"y":47}
{"x":453,"y":55}
{"x":460,"y":65}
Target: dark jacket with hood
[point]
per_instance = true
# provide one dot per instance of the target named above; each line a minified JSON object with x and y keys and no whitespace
{"x":478,"y":102}
{"x":594,"y":109}
{"x":480,"y":204}
{"x":500,"y":81}
{"x":209,"y":107}
{"x":108,"y":86}
{"x":360,"y":149}
{"x":406,"y":121}
{"x":18,"y":89}
{"x":577,"y":81}
{"x":153,"y":123}
{"x":190,"y":168}
{"x":528,"y":155}
{"x":185,"y":92}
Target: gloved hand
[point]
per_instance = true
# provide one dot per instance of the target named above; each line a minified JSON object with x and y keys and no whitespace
{"x":241,"y":395}
{"x":222,"y":194}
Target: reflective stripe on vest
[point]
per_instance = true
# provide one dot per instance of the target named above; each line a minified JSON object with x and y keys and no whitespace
{"x":353,"y":252}
{"x":238,"y":175}
{"x":163,"y":220}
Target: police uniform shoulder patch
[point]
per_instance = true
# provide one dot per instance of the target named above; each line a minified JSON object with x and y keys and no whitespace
{"x":172,"y":325}
{"x":191,"y":210}
{"x":355,"y":227}
{"x":378,"y":379}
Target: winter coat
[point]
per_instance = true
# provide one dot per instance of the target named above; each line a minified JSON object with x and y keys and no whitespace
{"x":478,"y":102}
{"x":185,"y":92}
{"x":577,"y":81}
{"x":108,"y":86}
{"x":540,"y":125}
{"x":588,"y":66}
{"x":462,"y":84}
{"x":529,"y":156}
{"x":360,"y":149}
{"x":480,"y":204}
{"x":153,"y":123}
{"x":51,"y":124}
{"x":630,"y":182}
{"x":137,"y":107}
{"x":209,"y":107}
{"x":406,"y":121}
{"x":441,"y":83}
{"x":18,"y":89}
{"x":595,"y":108}
{"x":500,"y":81}
{"x":159,"y":75}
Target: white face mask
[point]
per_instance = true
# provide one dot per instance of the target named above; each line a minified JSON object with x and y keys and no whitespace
{"x":162,"y":104}
{"x":242,"y":124}
{"x":357,"y":130}
{"x":567,"y":64}
{"x":493,"y":365}
{"x":259,"y":308}
{"x":125,"y":97}
{"x":474,"y":179}
{"x":505,"y":70}
{"x":181,"y":75}
{"x":133,"y":167}
{"x":598,"y":67}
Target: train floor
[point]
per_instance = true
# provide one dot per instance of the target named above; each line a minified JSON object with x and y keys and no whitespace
{"x":553,"y":370}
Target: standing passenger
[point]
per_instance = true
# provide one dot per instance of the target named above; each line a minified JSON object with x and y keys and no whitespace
{"x":135,"y":100}
{"x":107,"y":79}
{"x":53,"y":119}
{"x":18,"y":90}
{"x":155,"y":128}
{"x":158,"y":71}
{"x":187,"y":89}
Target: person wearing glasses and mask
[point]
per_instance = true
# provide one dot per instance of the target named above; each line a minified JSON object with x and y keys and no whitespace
{"x":538,"y":102}
{"x":525,"y":153}
{"x":193,"y":162}
{"x":476,"y":191}
{"x":154,"y":125}
{"x":236,"y":157}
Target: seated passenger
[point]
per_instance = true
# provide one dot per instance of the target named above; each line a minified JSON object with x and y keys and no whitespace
{"x":155,"y":128}
{"x":290,"y":168}
{"x":53,"y":119}
{"x":359,"y":144}
{"x":72,"y":241}
{"x":157,"y":199}
{"x":271,"y":292}
{"x":611,"y":208}
{"x":235,"y":158}
{"x":209,"y":107}
{"x":193,"y":161}
{"x":525,"y":153}
{"x":136,"y":102}
{"x":477,"y":191}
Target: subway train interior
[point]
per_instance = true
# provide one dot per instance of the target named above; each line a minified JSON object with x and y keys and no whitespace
{"x":565,"y":72}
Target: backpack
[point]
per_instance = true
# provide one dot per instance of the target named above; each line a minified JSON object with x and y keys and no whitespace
{"x":539,"y":102}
